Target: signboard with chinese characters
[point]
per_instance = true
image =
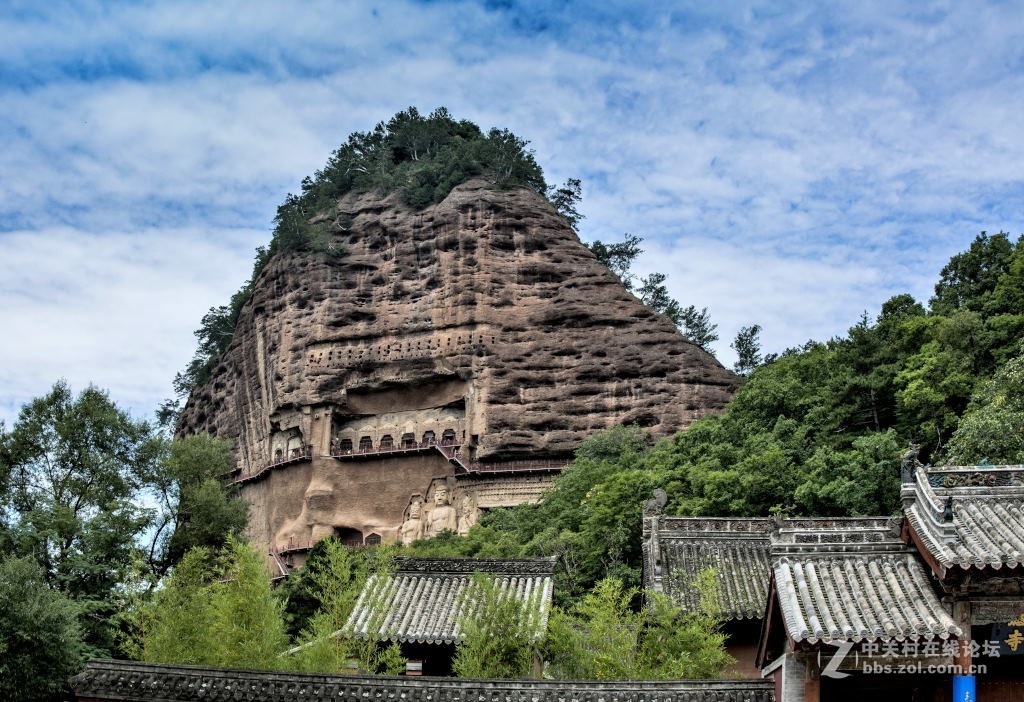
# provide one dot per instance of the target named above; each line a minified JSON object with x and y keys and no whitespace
{"x":1010,"y":637}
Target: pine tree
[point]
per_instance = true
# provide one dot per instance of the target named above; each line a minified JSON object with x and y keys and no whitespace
{"x":748,"y":349}
{"x":697,"y":326}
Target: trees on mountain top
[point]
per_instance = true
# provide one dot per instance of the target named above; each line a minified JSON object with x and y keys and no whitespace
{"x":619,"y":257}
{"x":992,"y":428}
{"x":747,"y":348}
{"x":695,"y":324}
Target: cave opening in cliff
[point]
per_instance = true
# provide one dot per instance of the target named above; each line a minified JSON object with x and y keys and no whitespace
{"x":353,"y":538}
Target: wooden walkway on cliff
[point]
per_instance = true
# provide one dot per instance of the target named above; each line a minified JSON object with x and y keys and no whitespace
{"x":452,"y":451}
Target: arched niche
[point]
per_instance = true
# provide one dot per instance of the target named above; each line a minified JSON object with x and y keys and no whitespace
{"x":353,"y":538}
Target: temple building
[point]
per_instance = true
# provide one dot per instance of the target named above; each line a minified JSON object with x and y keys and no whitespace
{"x":678,"y":549}
{"x":848,"y":593}
{"x":926,"y":605}
{"x":420,"y":603}
{"x":914,"y":607}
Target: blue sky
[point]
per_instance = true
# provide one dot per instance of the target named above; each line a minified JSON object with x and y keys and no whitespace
{"x":787,"y":164}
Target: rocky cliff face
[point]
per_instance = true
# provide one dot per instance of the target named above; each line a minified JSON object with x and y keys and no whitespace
{"x":481,"y":322}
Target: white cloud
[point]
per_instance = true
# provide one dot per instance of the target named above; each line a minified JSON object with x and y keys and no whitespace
{"x":115,"y":310}
{"x":790,"y":168}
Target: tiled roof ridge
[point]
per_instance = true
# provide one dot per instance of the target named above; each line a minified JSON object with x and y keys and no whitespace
{"x":131,"y":680}
{"x":832,"y":523}
{"x":822,"y":537}
{"x":969,"y":481}
{"x":1012,"y":467}
{"x":468,"y":566}
{"x":670,"y":527}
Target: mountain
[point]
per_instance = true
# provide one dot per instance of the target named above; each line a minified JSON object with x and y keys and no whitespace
{"x":479,"y":333}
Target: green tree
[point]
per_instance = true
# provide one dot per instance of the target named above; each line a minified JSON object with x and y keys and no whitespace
{"x":748,"y":349}
{"x":992,"y":429}
{"x":77,"y":470}
{"x":678,"y":645}
{"x":603,"y":638}
{"x":619,"y":257}
{"x":566,"y":200}
{"x":698,"y":327}
{"x":984,"y":284}
{"x":176,"y":625}
{"x":220,"y":613}
{"x":497,"y":633}
{"x":247,"y":622}
{"x":863,"y":480}
{"x":654,"y":293}
{"x":598,"y":638}
{"x":969,"y":280}
{"x":40,"y":640}
{"x":197,"y":507}
{"x":337,"y":579}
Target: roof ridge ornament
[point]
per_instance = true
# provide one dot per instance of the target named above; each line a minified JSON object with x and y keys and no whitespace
{"x":654,"y":506}
{"x":910,"y":463}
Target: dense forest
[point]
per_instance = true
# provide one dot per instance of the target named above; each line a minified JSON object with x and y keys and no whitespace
{"x":118,"y":540}
{"x":816,"y":430}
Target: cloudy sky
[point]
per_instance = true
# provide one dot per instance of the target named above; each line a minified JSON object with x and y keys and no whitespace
{"x":787,"y":165}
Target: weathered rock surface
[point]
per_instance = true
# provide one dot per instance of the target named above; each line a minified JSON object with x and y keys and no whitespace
{"x":483,"y":315}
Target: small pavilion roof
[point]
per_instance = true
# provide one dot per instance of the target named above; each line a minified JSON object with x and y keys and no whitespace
{"x":423,"y":599}
{"x":987,"y":526}
{"x":853,"y":580}
{"x":678,"y":549}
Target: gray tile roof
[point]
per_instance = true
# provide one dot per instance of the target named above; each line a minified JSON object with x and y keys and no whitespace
{"x":424,"y":598}
{"x":678,"y":549}
{"x":987,"y":530}
{"x":853,"y":580}
{"x":147,"y":682}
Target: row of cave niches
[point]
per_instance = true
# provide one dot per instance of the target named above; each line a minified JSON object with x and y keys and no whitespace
{"x":388,"y":443}
{"x":399,"y":350}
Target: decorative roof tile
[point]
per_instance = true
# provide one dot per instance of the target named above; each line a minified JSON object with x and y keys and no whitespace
{"x":853,"y":580}
{"x":987,"y":505}
{"x":424,"y":598}
{"x":677,"y":550}
{"x":129,"y":681}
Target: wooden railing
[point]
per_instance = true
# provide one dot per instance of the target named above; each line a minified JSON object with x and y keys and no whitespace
{"x":296,"y":456}
{"x":525,"y":464}
{"x":356,"y":453}
{"x":451,"y":449}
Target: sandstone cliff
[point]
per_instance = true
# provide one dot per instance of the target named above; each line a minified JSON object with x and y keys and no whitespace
{"x":481,"y":322}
